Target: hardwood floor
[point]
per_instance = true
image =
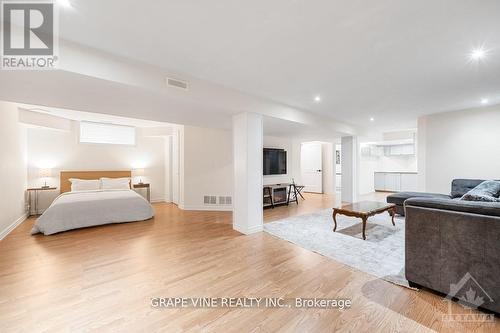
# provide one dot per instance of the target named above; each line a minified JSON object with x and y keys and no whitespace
{"x":102,"y":279}
{"x":313,"y":202}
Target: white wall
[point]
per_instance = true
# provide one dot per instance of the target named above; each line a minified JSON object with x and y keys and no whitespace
{"x":462,"y":144}
{"x":292,"y":160}
{"x":350,"y":168}
{"x":247,"y":144}
{"x":293,"y":147}
{"x":338,"y":168}
{"x":206,"y":167}
{"x":61,"y":151}
{"x":12,"y":168}
{"x":368,"y":165}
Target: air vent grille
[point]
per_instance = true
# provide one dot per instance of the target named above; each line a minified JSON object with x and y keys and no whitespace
{"x":210,"y":200}
{"x":179,"y":84}
{"x":225,"y":200}
{"x":221,"y":200}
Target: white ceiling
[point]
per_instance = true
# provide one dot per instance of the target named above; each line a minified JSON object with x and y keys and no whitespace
{"x":388,"y":59}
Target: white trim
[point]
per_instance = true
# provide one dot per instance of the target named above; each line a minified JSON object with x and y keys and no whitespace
{"x":216,"y":208}
{"x":249,"y":231}
{"x":158,"y":200}
{"x":13,"y":226}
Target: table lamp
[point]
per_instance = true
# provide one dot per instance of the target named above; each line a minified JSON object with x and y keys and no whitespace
{"x":44,"y":174}
{"x":139,"y":173}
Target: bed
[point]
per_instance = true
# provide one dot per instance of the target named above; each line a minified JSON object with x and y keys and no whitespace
{"x":87,"y":208}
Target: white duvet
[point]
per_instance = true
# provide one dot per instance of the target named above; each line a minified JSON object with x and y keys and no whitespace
{"x":81,"y":209}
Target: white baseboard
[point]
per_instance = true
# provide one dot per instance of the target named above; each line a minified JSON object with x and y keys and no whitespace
{"x":215,"y":208}
{"x":157,"y":200}
{"x":13,"y":226}
{"x":248,"y":231}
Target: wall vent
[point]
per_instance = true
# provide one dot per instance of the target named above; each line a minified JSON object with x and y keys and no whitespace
{"x":222,"y":200}
{"x":209,"y":200}
{"x":225,"y":200}
{"x":179,"y":84}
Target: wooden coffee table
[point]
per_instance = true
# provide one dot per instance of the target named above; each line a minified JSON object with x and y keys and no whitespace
{"x":364,"y":210}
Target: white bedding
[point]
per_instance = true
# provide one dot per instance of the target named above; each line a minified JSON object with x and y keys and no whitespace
{"x":81,"y":209}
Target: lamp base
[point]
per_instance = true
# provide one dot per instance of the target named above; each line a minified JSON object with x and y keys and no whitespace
{"x":45,"y":186}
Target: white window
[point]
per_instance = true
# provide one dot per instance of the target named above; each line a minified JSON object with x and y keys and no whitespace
{"x":106,"y":133}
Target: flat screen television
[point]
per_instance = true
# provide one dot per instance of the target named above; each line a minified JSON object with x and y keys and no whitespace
{"x":274,"y":161}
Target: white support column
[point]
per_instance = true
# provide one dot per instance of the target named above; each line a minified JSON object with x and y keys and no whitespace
{"x":247,"y":177}
{"x":349,"y":162}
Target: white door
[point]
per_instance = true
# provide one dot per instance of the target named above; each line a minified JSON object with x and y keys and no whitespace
{"x":310,"y":166}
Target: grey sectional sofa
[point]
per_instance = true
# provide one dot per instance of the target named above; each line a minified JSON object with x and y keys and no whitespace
{"x":450,"y":241}
{"x":458,"y":188}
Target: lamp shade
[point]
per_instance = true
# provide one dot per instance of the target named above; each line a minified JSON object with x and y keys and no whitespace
{"x":45,"y":172}
{"x":139,"y":172}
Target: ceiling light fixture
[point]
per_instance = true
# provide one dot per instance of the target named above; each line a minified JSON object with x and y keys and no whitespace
{"x":317,"y":99}
{"x":372,"y":119}
{"x":478,"y":54}
{"x":484,"y":101}
{"x":64,"y":3}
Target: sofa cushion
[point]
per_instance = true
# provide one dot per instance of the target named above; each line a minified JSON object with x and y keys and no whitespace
{"x":399,"y":198}
{"x":486,"y":191}
{"x":461,"y":186}
{"x":473,"y":207}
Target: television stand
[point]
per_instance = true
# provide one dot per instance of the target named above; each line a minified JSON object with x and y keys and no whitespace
{"x":276,"y":194}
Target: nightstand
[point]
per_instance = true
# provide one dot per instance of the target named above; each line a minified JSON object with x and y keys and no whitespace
{"x":146,"y":186}
{"x":33,"y":197}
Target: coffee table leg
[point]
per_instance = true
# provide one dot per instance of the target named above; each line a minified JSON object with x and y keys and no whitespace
{"x":334,"y":221}
{"x":392,"y":213}
{"x":364,"y":226}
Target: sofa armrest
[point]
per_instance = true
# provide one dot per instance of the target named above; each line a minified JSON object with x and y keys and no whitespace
{"x":472,"y":207}
{"x":445,"y":239}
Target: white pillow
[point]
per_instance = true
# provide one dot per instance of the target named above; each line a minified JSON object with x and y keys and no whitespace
{"x":115,"y":183}
{"x":84,"y":184}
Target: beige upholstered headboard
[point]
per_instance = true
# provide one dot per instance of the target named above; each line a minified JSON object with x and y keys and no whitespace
{"x":66,"y":175}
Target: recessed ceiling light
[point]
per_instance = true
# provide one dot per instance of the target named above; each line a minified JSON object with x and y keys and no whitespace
{"x":484,"y":101}
{"x":478,"y":54}
{"x":64,"y":3}
{"x":317,"y":98}
{"x":372,"y":119}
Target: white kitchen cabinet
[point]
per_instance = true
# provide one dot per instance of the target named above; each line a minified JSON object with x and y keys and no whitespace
{"x":379,"y":181}
{"x":395,"y":181}
{"x":400,"y":150}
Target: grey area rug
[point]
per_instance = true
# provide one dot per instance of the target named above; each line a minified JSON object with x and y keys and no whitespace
{"x":381,"y":254}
